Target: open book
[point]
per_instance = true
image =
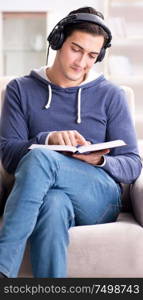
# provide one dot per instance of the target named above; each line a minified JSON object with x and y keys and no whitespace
{"x":82,"y":149}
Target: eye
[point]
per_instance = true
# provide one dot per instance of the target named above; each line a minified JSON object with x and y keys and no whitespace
{"x":75,"y":49}
{"x":92,"y":56}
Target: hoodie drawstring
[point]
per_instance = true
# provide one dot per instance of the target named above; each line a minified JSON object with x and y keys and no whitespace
{"x":49,"y":98}
{"x":78,"y":103}
{"x":79,"y":106}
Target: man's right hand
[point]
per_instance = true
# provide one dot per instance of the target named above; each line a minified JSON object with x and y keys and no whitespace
{"x":66,"y":137}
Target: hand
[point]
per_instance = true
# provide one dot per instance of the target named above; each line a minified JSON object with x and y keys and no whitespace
{"x":93,"y":158}
{"x":67,"y":137}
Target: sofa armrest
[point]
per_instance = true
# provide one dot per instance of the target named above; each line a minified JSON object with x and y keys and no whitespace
{"x":140,"y":145}
{"x":6,"y":184}
{"x":136,"y":195}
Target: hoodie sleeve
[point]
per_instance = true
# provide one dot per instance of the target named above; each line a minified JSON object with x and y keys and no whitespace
{"x":123,"y":163}
{"x":14,"y":134}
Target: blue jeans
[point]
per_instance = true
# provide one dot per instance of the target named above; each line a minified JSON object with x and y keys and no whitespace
{"x":53,"y":192}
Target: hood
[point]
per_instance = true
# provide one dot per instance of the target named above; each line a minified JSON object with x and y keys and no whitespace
{"x":91,"y":78}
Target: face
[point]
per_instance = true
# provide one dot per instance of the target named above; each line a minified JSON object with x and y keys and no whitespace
{"x":77,"y":55}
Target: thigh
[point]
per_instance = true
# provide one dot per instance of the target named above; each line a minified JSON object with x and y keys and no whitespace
{"x":95,"y":196}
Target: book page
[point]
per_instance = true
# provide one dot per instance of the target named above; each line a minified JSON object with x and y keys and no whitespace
{"x":101,"y":146}
{"x":55,"y":147}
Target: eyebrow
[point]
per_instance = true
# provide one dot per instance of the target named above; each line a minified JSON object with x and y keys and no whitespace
{"x":75,"y":44}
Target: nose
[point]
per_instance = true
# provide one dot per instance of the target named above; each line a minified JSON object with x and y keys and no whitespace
{"x":82,"y":60}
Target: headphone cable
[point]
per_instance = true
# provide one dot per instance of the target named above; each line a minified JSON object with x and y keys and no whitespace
{"x":47,"y":55}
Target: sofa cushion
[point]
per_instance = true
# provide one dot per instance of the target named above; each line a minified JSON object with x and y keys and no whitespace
{"x":106,"y":250}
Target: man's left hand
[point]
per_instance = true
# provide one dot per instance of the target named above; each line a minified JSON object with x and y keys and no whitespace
{"x":93,"y":158}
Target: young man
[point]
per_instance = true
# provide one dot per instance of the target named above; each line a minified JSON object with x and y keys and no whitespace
{"x":65,"y":104}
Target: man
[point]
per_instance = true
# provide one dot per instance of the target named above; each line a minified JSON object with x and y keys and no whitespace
{"x":65,"y":104}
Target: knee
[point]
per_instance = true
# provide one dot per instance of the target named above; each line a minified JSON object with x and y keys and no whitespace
{"x":39,"y":158}
{"x":57,"y":204}
{"x":39,"y":154}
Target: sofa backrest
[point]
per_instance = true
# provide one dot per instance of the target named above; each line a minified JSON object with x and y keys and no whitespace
{"x":3,"y":83}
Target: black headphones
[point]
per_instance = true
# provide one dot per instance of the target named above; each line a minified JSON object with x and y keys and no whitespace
{"x":56,"y":37}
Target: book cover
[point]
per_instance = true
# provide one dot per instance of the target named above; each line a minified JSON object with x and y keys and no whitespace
{"x":82,"y":149}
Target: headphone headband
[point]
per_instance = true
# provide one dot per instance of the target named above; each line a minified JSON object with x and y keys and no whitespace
{"x":56,"y":37}
{"x":77,"y":18}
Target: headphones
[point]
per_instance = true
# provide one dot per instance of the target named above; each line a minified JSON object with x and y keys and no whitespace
{"x":56,"y":37}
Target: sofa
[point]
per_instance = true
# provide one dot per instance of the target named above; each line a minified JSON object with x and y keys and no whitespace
{"x":103,"y":250}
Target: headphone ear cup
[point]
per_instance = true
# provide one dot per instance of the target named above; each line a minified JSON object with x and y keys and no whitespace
{"x":56,"y":38}
{"x":101,"y":55}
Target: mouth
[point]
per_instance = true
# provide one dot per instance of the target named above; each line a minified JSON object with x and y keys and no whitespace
{"x":77,"y":69}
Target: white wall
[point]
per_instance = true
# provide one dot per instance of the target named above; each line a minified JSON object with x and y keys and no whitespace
{"x":61,"y":6}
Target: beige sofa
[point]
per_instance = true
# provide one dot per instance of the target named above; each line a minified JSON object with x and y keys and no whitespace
{"x":106,"y":250}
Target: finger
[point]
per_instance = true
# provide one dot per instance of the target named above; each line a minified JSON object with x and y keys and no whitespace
{"x":76,"y":156}
{"x":79,"y":138}
{"x":60,"y":139}
{"x":102,"y":152}
{"x":81,"y":156}
{"x":72,"y":138}
{"x":66,"y":137}
{"x":89,"y":158}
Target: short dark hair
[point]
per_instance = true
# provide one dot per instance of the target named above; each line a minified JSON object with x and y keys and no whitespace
{"x":86,"y":26}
